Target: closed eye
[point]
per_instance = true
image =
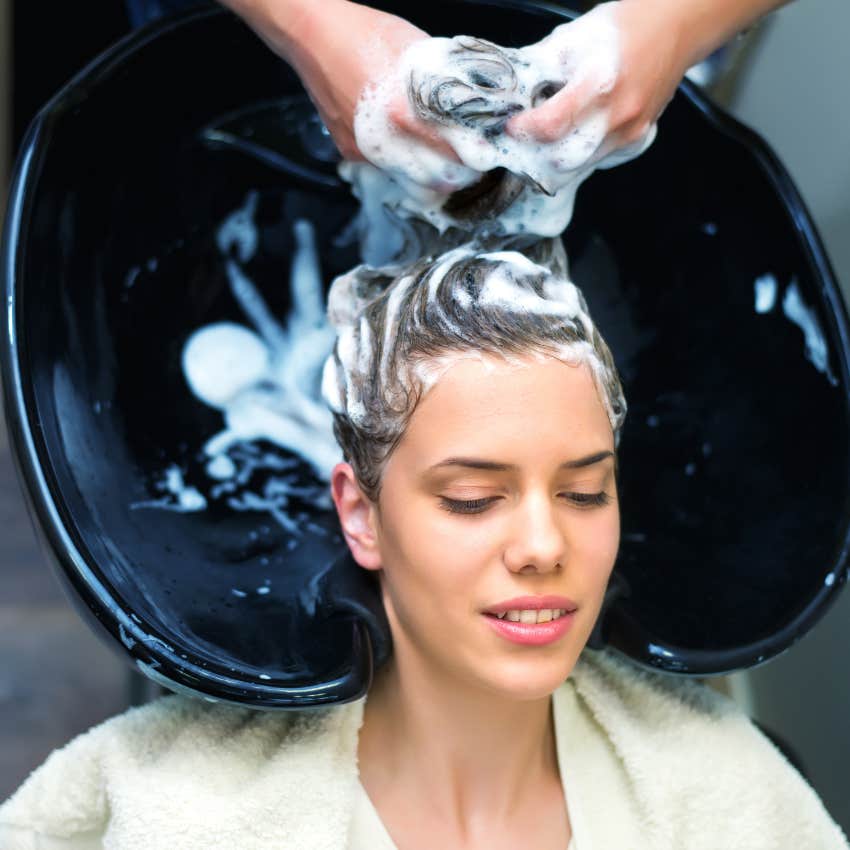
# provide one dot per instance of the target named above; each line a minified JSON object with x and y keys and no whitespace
{"x":601,"y":498}
{"x":471,"y":506}
{"x":477,"y":506}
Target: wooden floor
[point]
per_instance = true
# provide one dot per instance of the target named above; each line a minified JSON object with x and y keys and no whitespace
{"x":56,"y":678}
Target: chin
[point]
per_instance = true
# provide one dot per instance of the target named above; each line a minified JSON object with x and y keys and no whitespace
{"x":533,"y":678}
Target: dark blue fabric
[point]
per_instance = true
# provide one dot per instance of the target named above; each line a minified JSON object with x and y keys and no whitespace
{"x":142,"y":11}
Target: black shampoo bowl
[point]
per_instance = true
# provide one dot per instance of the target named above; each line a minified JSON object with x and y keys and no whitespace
{"x":700,"y":264}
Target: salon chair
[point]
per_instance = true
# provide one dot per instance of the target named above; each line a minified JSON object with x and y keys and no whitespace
{"x":700,"y":264}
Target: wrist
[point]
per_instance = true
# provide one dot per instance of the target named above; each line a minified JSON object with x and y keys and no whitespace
{"x":699,"y":27}
{"x":667,"y":25}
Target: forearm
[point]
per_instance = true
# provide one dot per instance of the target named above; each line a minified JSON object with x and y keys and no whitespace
{"x":284,"y":25}
{"x":336,"y":47}
{"x":701,"y":26}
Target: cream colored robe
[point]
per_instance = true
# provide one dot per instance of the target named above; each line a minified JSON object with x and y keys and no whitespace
{"x":653,"y":763}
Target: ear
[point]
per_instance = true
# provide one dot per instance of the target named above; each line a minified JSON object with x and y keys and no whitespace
{"x":356,"y":516}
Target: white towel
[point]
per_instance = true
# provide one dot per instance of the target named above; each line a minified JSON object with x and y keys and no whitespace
{"x":653,"y":762}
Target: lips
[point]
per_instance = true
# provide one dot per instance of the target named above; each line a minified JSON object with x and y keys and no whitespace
{"x":531,"y":603}
{"x":532,"y":635}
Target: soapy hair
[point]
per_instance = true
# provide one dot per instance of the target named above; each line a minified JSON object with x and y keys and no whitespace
{"x":481,"y":94}
{"x":399,"y":329}
{"x":479,"y":273}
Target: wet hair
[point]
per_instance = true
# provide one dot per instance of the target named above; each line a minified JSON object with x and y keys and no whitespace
{"x":482,"y":94}
{"x":459,"y":282}
{"x":399,"y":328}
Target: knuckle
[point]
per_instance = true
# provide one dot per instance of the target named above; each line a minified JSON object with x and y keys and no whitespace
{"x":631,"y":110}
{"x":636,"y":131}
{"x":549,"y":127}
{"x":400,"y":115}
{"x":348,"y":149}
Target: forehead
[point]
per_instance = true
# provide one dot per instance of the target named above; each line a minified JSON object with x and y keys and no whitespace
{"x":529,"y":405}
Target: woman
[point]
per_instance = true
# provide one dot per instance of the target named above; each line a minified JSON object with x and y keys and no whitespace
{"x":493,"y":550}
{"x":479,"y":412}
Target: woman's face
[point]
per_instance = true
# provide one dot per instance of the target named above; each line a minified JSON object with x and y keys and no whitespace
{"x":502,"y":486}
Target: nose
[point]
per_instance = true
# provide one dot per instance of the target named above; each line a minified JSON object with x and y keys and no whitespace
{"x":537,"y":540}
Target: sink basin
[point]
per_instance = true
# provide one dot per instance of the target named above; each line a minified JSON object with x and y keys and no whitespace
{"x":701,"y":267}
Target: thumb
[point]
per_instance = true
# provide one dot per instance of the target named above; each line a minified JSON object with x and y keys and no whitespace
{"x":550,"y":121}
{"x":403,"y":118}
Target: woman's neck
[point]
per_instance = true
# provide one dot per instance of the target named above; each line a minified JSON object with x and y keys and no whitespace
{"x":462,"y":751}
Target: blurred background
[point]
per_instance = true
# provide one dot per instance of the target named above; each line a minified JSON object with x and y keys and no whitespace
{"x":786,"y":78}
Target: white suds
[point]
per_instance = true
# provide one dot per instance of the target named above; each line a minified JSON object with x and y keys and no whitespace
{"x":765,"y":292}
{"x":805,"y":318}
{"x":501,"y":288}
{"x":475,"y":96}
{"x":266,"y":382}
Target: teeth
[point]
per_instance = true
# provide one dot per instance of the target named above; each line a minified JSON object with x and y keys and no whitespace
{"x":545,"y":615}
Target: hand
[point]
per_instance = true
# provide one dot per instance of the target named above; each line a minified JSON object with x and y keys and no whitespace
{"x":620,"y":65}
{"x":339,"y":50}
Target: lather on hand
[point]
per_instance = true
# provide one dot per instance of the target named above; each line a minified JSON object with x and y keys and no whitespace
{"x":340,"y":49}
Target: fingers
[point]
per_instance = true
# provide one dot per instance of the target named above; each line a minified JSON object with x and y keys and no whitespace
{"x":346,"y":144}
{"x":625,"y":131}
{"x":550,"y":121}
{"x":440,"y":168}
{"x":349,"y":150}
{"x":401,"y":115}
{"x":625,"y":144}
{"x":342,"y":134}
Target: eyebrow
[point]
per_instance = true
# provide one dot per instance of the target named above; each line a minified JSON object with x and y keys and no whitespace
{"x":478,"y":463}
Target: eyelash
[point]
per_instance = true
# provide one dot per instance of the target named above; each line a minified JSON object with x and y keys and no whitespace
{"x":477,"y":506}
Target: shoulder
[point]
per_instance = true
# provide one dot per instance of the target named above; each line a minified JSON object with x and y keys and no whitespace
{"x":616,"y":685}
{"x":178,"y":748}
{"x":691,"y":750}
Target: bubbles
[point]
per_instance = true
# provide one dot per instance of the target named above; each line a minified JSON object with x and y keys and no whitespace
{"x":265,"y":382}
{"x":466,"y":89}
{"x":765,"y":293}
{"x":222,"y":359}
{"x":816,"y":350}
{"x":238,"y":234}
{"x":221,"y":467}
{"x":180,"y":497}
{"x":503,"y":283}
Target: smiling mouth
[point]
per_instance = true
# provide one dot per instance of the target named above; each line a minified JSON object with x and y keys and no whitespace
{"x":530,"y":616}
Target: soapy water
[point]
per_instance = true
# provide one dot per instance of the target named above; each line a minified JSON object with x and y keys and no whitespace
{"x":459,"y":288}
{"x":272,"y":381}
{"x":265,"y":380}
{"x":816,"y":350}
{"x":765,"y":293}
{"x":795,"y":309}
{"x":181,"y":497}
{"x":467,"y":89}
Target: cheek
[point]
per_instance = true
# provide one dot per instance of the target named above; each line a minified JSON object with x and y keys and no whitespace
{"x":597,"y":541}
{"x":430,"y":556}
{"x":419,"y":530}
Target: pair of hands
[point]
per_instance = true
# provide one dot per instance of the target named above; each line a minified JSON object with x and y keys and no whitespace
{"x":341,"y":48}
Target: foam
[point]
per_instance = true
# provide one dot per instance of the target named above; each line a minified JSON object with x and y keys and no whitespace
{"x":348,"y":374}
{"x":467,"y":89}
{"x":265,"y":381}
{"x":221,"y":360}
{"x":816,"y":349}
{"x":279,"y":382}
